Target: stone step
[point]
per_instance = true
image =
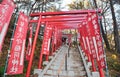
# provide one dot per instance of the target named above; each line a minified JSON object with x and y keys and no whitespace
{"x":76,"y":70}
{"x":69,"y":64}
{"x":66,"y":73}
{"x":50,"y":57}
{"x":69,"y":68}
{"x":45,"y":62}
{"x":72,"y":65}
{"x":74,"y":60}
{"x":62,"y":76}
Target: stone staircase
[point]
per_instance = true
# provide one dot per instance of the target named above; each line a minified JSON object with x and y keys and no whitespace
{"x":66,"y":66}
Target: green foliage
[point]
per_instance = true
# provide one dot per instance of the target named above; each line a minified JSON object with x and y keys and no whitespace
{"x":113,"y":65}
{"x":1,"y":71}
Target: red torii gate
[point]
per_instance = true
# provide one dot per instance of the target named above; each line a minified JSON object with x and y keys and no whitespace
{"x":56,"y":19}
{"x":60,"y":25}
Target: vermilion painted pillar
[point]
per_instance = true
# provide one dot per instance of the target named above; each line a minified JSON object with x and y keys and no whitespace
{"x":40,"y":61}
{"x":47,"y":57}
{"x":101,"y":72}
{"x":93,"y":65}
{"x":33,"y":48}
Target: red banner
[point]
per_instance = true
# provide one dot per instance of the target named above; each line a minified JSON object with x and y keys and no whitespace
{"x":98,"y":41}
{"x":55,"y":35}
{"x":8,"y":2}
{"x":91,"y":34}
{"x":6,"y":11}
{"x":47,"y":39}
{"x":53,"y":38}
{"x":86,"y":36}
{"x":29,"y":47}
{"x":16,"y":60}
{"x":81,"y":37}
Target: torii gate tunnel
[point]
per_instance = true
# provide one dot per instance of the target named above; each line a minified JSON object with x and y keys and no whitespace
{"x":88,"y":30}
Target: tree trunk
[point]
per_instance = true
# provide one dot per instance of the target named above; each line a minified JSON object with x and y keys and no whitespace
{"x":104,"y":36}
{"x":95,"y":3}
{"x":103,"y":32}
{"x":115,"y":26}
{"x":105,"y":24}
